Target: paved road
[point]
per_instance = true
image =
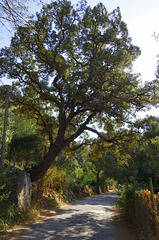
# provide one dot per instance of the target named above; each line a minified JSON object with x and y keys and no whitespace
{"x":88,"y":219}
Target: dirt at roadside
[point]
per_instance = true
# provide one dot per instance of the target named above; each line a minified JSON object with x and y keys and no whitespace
{"x":17,"y":231}
{"x":123,"y":231}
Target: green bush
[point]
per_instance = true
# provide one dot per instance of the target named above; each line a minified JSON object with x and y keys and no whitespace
{"x":8,"y":198}
{"x":26,"y":150}
{"x":126,"y":201}
{"x":137,"y":208}
{"x":57,"y":187}
{"x":54,"y":180}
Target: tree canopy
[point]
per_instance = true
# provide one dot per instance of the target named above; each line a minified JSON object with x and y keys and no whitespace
{"x":72,"y":68}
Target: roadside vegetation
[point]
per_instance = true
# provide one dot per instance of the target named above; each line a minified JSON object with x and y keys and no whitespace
{"x":82,"y":173}
{"x":72,"y":121}
{"x":139,"y":195}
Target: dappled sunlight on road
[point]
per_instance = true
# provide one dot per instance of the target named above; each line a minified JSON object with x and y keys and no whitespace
{"x":88,"y":219}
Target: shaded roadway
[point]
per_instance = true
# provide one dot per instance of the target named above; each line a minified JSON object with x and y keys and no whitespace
{"x":92,"y":218}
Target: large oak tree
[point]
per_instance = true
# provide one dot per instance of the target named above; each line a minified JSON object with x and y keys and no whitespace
{"x":72,"y":68}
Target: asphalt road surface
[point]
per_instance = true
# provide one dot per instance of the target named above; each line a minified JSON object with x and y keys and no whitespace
{"x":92,"y":218}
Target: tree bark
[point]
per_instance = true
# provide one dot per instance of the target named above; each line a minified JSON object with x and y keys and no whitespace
{"x":97,"y":190}
{"x":56,"y":147}
{"x":38,"y":172}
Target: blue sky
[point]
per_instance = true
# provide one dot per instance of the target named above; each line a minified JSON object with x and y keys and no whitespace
{"x":142,"y":18}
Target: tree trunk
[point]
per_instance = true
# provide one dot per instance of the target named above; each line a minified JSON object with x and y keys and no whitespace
{"x":97,"y":190}
{"x":38,"y":172}
{"x":59,"y":144}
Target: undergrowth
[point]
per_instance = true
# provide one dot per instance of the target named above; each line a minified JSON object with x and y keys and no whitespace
{"x":8,"y":201}
{"x":53,"y":190}
{"x":137,"y":209}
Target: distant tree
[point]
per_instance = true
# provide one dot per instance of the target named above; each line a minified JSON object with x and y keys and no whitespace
{"x":143,"y":154}
{"x":101,"y":164}
{"x":72,"y":164}
{"x":147,"y":153}
{"x":73,"y":69}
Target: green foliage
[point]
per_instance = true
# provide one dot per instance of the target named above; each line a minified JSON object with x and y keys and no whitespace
{"x":147,"y":152}
{"x":9,"y":184}
{"x":58,"y":186}
{"x":25,"y":150}
{"x":72,"y":163}
{"x":142,"y":213}
{"x":137,"y":208}
{"x":78,"y":169}
{"x":17,"y":126}
{"x":10,"y":215}
{"x":84,"y":165}
{"x":125,"y":201}
{"x":144,"y":209}
{"x":72,"y":68}
{"x":20,"y":125}
{"x":54,"y":180}
{"x":142,"y":155}
{"x":51,"y":190}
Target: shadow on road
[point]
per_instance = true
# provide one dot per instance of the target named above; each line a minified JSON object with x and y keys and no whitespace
{"x":87,"y":219}
{"x":93,"y":218}
{"x":77,"y":226}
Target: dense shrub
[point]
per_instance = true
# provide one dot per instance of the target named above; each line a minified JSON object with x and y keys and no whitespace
{"x":126,"y":201}
{"x":57,"y":187}
{"x":8,"y":198}
{"x":53,"y":189}
{"x":144,"y":210}
{"x":55,"y":180}
{"x":144,"y":216}
{"x":25,"y":150}
{"x":137,"y":208}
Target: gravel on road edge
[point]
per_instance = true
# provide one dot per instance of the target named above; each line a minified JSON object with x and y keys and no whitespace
{"x":123,"y":231}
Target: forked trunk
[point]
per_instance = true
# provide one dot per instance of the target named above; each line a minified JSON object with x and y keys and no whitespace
{"x":56,"y":148}
{"x":38,"y":172}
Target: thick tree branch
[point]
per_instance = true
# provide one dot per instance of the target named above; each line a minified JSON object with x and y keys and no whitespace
{"x":115,"y":139}
{"x":79,"y":131}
